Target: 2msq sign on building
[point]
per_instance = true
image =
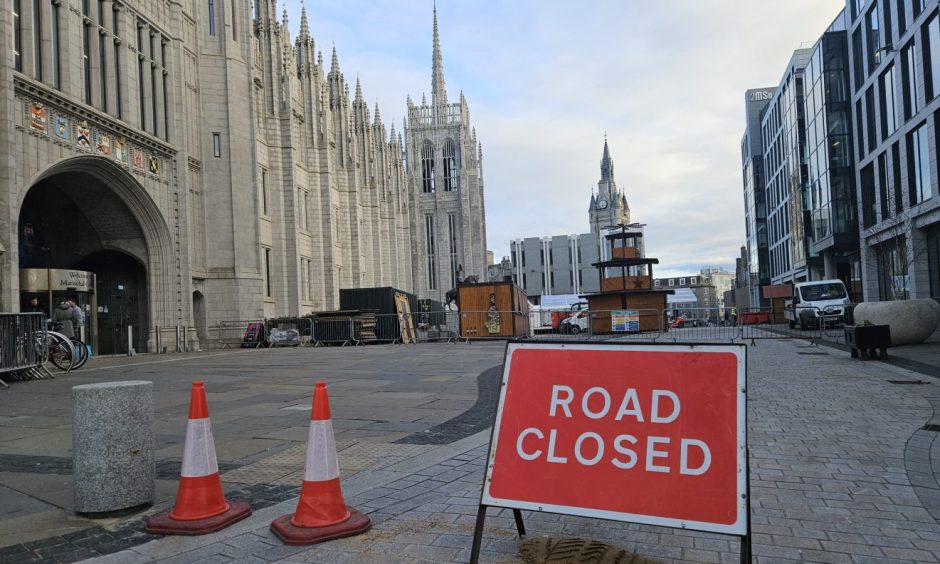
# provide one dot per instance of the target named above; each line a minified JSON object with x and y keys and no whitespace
{"x":650,"y":434}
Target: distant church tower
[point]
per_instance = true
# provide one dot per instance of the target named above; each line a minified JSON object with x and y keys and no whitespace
{"x":609,"y":206}
{"x":445,"y":171}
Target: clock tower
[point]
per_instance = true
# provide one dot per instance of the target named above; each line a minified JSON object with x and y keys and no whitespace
{"x":609,"y":205}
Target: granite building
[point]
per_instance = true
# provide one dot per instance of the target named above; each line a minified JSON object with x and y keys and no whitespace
{"x":206,"y":166}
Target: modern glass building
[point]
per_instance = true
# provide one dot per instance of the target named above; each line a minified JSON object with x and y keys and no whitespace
{"x":829,"y":200}
{"x":755,"y":211}
{"x":783,"y":132}
{"x":895,"y":77}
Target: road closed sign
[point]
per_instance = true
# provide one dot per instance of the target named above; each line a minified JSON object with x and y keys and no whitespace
{"x":651,"y":434}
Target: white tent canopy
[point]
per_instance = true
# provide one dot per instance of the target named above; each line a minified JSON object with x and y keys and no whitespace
{"x":682,"y":296}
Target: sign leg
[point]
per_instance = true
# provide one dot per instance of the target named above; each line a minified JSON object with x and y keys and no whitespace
{"x":520,"y":526}
{"x":478,"y":535}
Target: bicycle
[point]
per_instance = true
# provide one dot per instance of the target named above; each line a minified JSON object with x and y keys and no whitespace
{"x":61,"y":351}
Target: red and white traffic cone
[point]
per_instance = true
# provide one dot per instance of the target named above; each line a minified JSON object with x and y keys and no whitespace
{"x":200,"y":502}
{"x":321,"y":513}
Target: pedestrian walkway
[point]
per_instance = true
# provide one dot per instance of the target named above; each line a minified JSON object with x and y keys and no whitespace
{"x":841,"y":464}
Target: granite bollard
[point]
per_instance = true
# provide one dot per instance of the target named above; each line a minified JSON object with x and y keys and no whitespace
{"x":112,"y":446}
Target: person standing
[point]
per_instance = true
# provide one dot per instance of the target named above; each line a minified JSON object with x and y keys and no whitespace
{"x":32,"y":306}
{"x":79,"y":317}
{"x":64,"y":314}
{"x":734,"y":317}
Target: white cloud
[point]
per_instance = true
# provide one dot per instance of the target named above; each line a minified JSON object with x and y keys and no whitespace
{"x":546,"y":79}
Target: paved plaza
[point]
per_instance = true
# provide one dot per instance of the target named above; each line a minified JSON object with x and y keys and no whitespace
{"x":842,"y":466}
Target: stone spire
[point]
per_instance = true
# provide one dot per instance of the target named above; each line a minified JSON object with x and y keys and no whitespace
{"x":438,"y":90}
{"x":304,"y":28}
{"x":607,"y":164}
{"x":358,"y":97}
{"x":378,"y":114}
{"x":334,"y":65}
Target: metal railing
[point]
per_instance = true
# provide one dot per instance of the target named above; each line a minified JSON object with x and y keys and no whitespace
{"x":23,"y":347}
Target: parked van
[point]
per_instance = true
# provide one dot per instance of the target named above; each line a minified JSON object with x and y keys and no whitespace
{"x":817,"y":303}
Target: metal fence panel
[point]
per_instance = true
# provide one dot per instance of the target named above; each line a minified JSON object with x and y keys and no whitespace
{"x":332,"y":330}
{"x":23,"y":346}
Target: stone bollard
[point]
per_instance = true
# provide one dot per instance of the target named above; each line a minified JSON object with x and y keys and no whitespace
{"x":112,"y":445}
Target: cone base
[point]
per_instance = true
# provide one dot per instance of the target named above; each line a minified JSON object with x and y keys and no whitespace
{"x":357,"y":523}
{"x":163,"y":524}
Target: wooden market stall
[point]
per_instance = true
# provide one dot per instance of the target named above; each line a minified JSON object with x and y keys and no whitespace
{"x":493,"y":309}
{"x":628,"y":301}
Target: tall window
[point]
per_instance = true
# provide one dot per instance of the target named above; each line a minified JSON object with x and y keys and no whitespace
{"x":930,"y":47}
{"x":102,"y":57}
{"x":17,"y":36}
{"x":892,"y":267}
{"x":216,"y":145}
{"x":452,"y":231}
{"x":140,"y":76}
{"x":56,"y":47}
{"x":431,"y":251}
{"x":234,"y":22}
{"x":883,"y":183}
{"x":153,"y":82}
{"x":889,"y":119}
{"x":267,"y":272}
{"x":166,"y":91}
{"x":857,"y":56}
{"x":868,"y":196}
{"x":896,"y":186}
{"x":302,"y":207}
{"x":909,"y":76}
{"x":873,"y":39}
{"x":902,"y":17}
{"x":870,"y":118}
{"x":305,"y":279}
{"x":37,"y":39}
{"x":264,"y":192}
{"x":427,"y":167}
{"x":86,"y":52}
{"x":451,"y":178}
{"x":211,"y":17}
{"x":115,"y":27}
{"x":918,"y":159}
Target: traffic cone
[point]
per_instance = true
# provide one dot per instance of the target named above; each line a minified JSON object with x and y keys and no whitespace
{"x":321,"y":513}
{"x":200,"y":502}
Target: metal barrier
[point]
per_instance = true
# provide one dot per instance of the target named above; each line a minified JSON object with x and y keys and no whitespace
{"x":245,"y":334}
{"x":23,"y":347}
{"x":339,"y":329}
{"x":289,"y":331}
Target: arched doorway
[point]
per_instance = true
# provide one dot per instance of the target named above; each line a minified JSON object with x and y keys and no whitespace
{"x":89,"y":214}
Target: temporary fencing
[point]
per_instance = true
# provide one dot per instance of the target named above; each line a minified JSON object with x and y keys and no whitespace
{"x":334,"y":330}
{"x":23,"y":347}
{"x":243,"y":334}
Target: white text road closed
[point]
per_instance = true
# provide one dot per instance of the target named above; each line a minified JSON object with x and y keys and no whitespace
{"x":651,"y":434}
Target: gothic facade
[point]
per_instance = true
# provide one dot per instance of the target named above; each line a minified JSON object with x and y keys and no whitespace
{"x":609,"y":206}
{"x":207,"y":166}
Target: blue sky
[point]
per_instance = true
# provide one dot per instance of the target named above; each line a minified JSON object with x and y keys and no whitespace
{"x":546,"y":79}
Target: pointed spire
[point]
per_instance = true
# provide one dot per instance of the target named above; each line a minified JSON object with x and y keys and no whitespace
{"x":391,"y":135}
{"x":334,"y":66}
{"x":358,"y":97}
{"x":378,"y":114}
{"x":284,"y":19}
{"x":424,"y":99}
{"x":304,"y":28}
{"x":607,"y":164}
{"x":320,"y":58}
{"x":438,"y":91}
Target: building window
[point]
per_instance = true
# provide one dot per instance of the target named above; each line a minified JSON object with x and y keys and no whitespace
{"x":431,"y":251}
{"x":302,"y":207}
{"x":682,"y":281}
{"x":37,"y":39}
{"x":427,"y":168}
{"x":118,"y":106}
{"x":868,"y":196}
{"x":889,"y":119}
{"x":883,"y":184}
{"x":909,"y":77}
{"x":17,"y":36}
{"x":902,"y":17}
{"x":216,"y":145}
{"x":267,"y":272}
{"x":693,"y":280}
{"x":56,"y":47}
{"x":86,"y":55}
{"x":211,"y":17}
{"x":452,"y":234}
{"x":873,"y":39}
{"x":305,"y":279}
{"x":451,"y":176}
{"x":153,"y":83}
{"x":672,"y":281}
{"x":102,"y":67}
{"x":857,"y":55}
{"x":918,"y":159}
{"x":166,"y":92}
{"x":896,"y":185}
{"x":657,"y":283}
{"x":234,"y":22}
{"x":142,"y":91}
{"x":264,"y":192}
{"x":892,"y":269}
{"x":870,"y":118}
{"x":931,"y":46}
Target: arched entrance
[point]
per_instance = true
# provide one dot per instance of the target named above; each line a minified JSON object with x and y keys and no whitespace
{"x":89,"y":214}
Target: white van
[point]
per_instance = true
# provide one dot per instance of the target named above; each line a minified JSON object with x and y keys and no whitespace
{"x":817,"y":303}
